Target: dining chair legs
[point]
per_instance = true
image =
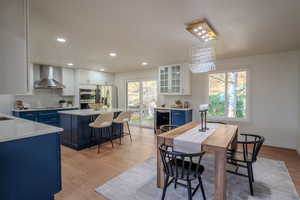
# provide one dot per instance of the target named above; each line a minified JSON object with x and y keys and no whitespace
{"x":252,"y":172}
{"x":175,"y":183}
{"x":189,"y":187}
{"x":165,"y":187}
{"x":202,"y":188}
{"x":250,"y":175}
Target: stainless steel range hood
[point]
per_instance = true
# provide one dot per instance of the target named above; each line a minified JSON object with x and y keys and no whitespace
{"x":47,"y":80}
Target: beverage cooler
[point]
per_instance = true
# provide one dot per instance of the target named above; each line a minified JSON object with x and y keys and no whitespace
{"x":103,"y":94}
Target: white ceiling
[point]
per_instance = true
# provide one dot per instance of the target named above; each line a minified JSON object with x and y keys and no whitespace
{"x":154,"y":30}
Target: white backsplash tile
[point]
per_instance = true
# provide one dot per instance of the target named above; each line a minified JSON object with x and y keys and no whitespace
{"x":44,"y":97}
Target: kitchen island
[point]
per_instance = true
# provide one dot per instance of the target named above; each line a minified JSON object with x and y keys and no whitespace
{"x":77,"y":133}
{"x":30,"y":159}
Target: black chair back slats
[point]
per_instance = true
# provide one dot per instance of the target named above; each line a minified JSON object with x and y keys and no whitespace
{"x":180,"y":165}
{"x":250,"y":139}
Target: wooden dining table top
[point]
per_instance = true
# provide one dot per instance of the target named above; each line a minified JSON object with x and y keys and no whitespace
{"x":220,"y":139}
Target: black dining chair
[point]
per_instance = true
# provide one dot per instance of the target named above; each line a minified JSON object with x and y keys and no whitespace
{"x":184,"y":167}
{"x":251,"y":144}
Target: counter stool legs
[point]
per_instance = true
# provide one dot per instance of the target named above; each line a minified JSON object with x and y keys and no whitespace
{"x":122,"y":133}
{"x":107,"y":130}
{"x":129,"y":131}
{"x":99,"y":142}
{"x":110,"y":129}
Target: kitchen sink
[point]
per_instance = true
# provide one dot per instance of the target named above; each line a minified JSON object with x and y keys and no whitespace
{"x":5,"y":118}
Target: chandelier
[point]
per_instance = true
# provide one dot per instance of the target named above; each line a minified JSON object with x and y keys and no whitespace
{"x":203,"y":59}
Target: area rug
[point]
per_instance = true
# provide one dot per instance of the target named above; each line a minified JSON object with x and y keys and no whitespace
{"x":272,"y":182}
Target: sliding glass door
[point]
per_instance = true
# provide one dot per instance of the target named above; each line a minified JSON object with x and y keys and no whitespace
{"x":142,"y":99}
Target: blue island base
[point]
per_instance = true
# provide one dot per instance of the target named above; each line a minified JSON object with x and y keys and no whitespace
{"x":78,"y":135}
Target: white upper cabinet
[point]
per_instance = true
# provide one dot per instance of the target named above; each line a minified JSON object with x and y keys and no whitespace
{"x":68,"y":79}
{"x":13,"y":47}
{"x":95,"y":78}
{"x":174,"y":80}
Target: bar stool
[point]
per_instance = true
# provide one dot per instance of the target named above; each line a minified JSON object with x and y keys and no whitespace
{"x":124,"y":118}
{"x":103,"y":122}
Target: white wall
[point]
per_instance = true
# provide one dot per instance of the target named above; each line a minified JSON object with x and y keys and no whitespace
{"x":273,"y":88}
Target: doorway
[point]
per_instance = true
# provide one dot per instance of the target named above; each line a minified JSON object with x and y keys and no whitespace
{"x":142,"y":99}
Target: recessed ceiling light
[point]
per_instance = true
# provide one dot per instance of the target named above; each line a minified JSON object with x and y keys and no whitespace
{"x":70,"y":64}
{"x":62,"y":40}
{"x":199,"y":33}
{"x":204,"y":31}
{"x":144,"y":63}
{"x":200,"y":27}
{"x":195,"y":30}
{"x":101,"y":70}
{"x":112,"y":54}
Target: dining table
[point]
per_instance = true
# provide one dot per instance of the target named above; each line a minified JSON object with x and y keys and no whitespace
{"x":221,"y":138}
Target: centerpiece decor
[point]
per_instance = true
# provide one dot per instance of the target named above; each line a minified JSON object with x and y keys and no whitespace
{"x":203,"y":114}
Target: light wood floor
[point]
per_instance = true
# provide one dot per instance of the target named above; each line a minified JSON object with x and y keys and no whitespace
{"x":83,"y":171}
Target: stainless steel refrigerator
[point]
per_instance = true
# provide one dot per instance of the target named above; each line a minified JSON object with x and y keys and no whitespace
{"x":104,"y":94}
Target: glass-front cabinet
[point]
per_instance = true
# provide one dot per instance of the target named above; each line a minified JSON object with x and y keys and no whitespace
{"x":164,"y":79}
{"x":174,"y":80}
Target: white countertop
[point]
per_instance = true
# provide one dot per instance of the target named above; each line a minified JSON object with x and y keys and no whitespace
{"x":89,"y":112}
{"x":18,"y":128}
{"x":44,"y":109}
{"x":169,"y":108}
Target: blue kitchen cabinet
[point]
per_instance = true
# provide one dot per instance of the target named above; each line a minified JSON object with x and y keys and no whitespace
{"x":180,"y":117}
{"x":50,"y":117}
{"x":33,"y":116}
{"x":30,"y":168}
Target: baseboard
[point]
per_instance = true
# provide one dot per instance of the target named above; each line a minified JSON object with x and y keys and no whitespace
{"x":276,"y":147}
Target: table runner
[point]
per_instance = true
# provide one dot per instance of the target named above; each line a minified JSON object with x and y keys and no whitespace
{"x":191,"y":140}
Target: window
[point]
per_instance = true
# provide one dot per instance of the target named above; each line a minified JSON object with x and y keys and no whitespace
{"x":228,"y":94}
